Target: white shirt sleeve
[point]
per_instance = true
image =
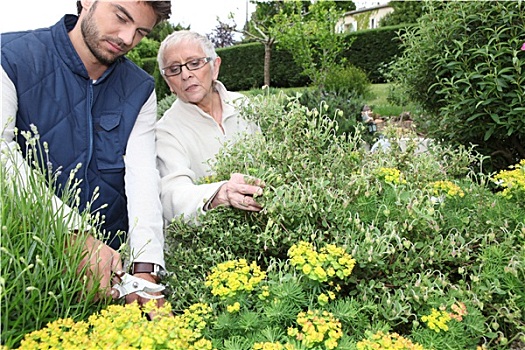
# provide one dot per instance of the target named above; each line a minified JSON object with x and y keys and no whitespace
{"x":12,"y":160}
{"x":145,"y":236}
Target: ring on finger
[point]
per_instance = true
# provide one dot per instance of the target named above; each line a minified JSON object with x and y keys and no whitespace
{"x":244,"y":202}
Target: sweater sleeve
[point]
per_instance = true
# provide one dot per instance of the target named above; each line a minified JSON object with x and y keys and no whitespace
{"x":180,"y":193}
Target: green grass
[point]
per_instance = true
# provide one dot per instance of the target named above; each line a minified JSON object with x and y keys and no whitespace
{"x":379,"y":94}
{"x":380,"y":104}
{"x":378,"y":100}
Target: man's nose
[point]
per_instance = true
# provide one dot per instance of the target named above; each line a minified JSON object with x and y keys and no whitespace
{"x":128,"y":36}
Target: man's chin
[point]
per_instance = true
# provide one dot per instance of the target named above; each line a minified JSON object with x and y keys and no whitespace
{"x":108,"y":60}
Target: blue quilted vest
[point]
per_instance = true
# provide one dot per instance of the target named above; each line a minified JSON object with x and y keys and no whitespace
{"x":83,"y":121}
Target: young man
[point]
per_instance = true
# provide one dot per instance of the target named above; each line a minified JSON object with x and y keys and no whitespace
{"x":96,"y":109}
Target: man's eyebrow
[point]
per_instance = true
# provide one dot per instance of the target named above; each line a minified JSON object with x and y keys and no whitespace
{"x":131,"y":19}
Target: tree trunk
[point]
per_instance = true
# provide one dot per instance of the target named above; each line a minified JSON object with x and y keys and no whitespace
{"x":267,"y":59}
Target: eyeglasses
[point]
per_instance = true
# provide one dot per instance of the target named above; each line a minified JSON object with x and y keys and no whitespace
{"x":176,"y":69}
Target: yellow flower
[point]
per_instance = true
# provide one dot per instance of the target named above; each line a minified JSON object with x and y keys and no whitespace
{"x":233,"y":308}
{"x":437,"y":320}
{"x":322,"y":299}
{"x":322,"y":266}
{"x":232,"y":277}
{"x":390,"y":175}
{"x":512,"y":181}
{"x":446,"y":188}
{"x":388,"y":341}
{"x":268,"y":346}
{"x":317,"y":328}
{"x":125,"y":327}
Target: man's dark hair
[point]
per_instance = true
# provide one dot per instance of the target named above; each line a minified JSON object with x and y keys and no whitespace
{"x":162,"y":9}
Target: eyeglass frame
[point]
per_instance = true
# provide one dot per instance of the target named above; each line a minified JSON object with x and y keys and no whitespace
{"x":205,"y":59}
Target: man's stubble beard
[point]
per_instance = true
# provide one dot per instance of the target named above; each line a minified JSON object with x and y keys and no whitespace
{"x":91,"y":37}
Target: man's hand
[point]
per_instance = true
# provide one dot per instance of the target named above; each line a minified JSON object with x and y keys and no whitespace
{"x":101,"y":263}
{"x":240,"y":192}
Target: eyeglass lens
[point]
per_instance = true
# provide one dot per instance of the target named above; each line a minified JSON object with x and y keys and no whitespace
{"x":195,"y":64}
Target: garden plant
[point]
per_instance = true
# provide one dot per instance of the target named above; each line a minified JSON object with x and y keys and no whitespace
{"x":353,"y":250}
{"x":42,"y":278}
{"x":430,"y":232}
{"x":464,"y":62}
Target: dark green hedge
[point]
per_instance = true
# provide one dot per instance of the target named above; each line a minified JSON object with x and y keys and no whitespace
{"x":242,"y":65}
{"x":372,"y":49}
{"x":242,"y":68}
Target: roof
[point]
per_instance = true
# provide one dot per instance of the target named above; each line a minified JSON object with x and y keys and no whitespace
{"x":366,"y":9}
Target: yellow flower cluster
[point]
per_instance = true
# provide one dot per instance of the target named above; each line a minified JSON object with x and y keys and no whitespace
{"x":512,"y":181}
{"x":272,"y":346}
{"x":437,"y":320}
{"x":317,"y":328}
{"x":265,"y":293}
{"x":233,"y":308}
{"x":388,"y":341}
{"x":329,"y":262}
{"x":231,"y":277}
{"x":390,"y":175}
{"x":125,"y":327}
{"x":324,"y":298}
{"x":447,"y":188}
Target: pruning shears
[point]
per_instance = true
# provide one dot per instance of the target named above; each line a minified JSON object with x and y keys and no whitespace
{"x":130,"y":284}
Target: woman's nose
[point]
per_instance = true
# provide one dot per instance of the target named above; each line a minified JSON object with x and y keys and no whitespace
{"x":185,"y":72}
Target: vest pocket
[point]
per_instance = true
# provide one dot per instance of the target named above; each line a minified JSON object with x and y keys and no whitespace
{"x":108,"y":146}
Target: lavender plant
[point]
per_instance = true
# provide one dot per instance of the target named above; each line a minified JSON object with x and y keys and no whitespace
{"x":41,"y":278}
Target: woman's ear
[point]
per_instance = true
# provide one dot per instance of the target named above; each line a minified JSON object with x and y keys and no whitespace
{"x":216,"y":67}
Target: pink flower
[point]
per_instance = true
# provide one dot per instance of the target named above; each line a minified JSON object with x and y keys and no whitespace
{"x":523,"y":47}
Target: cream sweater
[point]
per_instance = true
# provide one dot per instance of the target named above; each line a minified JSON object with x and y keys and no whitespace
{"x":188,"y":139}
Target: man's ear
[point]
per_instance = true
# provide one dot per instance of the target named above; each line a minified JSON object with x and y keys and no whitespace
{"x":86,"y":4}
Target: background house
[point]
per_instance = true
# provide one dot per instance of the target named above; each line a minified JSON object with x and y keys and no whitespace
{"x":364,"y":18}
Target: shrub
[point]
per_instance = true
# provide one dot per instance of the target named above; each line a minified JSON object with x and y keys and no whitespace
{"x":425,"y":229}
{"x":348,"y":79}
{"x":125,"y":327}
{"x":297,"y":303}
{"x":462,"y":62}
{"x":351,"y":249}
{"x":349,"y":103}
{"x":165,"y":104}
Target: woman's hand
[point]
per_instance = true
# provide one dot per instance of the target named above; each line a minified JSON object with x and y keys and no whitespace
{"x":239,"y":192}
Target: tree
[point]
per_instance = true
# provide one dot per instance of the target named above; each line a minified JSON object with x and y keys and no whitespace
{"x":405,"y":12}
{"x":340,"y":6}
{"x":163,"y":29}
{"x":222,"y":35}
{"x":310,"y":35}
{"x":265,"y":18}
{"x":259,"y":29}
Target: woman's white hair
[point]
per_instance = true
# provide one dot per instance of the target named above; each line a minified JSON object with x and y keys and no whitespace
{"x":186,"y":35}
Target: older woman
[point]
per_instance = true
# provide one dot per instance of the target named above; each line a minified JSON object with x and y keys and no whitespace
{"x":191,"y":132}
